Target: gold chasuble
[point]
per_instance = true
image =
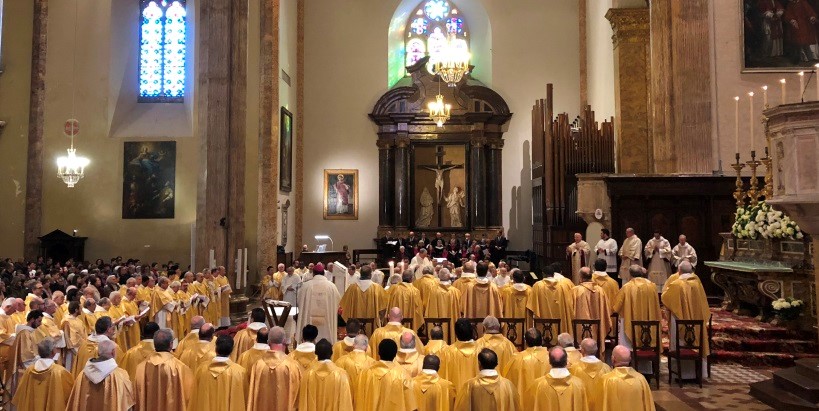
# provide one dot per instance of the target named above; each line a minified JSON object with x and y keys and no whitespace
{"x":579,"y":254}
{"x":163,"y":383}
{"x":248,"y":358}
{"x":637,"y":300}
{"x":444,"y":301}
{"x":136,"y":356}
{"x":48,"y":328}
{"x":591,"y":303}
{"x":186,"y":342}
{"x":482,"y":299}
{"x":88,"y":350}
{"x":198,"y":353}
{"x":355,"y":363}
{"x":563,"y":393}
{"x":384,"y":386}
{"x":6,"y":330}
{"x":342,"y":348}
{"x":591,"y":372}
{"x":625,"y":389}
{"x":527,"y":366}
{"x":45,"y":386}
{"x":425,"y":285}
{"x":183,"y":314}
{"x":277,"y":371}
{"x":406,"y":297}
{"x":220,"y":385}
{"x":212,"y":312}
{"x":685,"y":298}
{"x":411,"y":360}
{"x":514,"y":298}
{"x":101,"y":386}
{"x":501,"y":345}
{"x":464,"y":282}
{"x":364,"y":299}
{"x":435,"y":347}
{"x":224,"y":299}
{"x":129,"y":333}
{"x":245,"y":339}
{"x":459,"y":362}
{"x":488,"y":392}
{"x":552,"y":298}
{"x":325,"y":387}
{"x":392,"y":331}
{"x":304,"y":355}
{"x":433,"y":393}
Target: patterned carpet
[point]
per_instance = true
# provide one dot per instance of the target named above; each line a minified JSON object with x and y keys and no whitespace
{"x":726,"y":390}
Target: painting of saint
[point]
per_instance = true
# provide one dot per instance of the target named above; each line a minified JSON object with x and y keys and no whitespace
{"x":149,"y":179}
{"x":341,"y":194}
{"x":779,"y":35}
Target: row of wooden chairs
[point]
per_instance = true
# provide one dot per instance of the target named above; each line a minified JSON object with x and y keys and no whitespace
{"x":687,"y":346}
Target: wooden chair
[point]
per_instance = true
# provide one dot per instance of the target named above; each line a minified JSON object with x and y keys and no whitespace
{"x":443,"y":322}
{"x":513,"y":329}
{"x":549,"y":328}
{"x":646,"y":346}
{"x":367,"y":326}
{"x":710,"y":342}
{"x":582,"y":329}
{"x":687,"y":347}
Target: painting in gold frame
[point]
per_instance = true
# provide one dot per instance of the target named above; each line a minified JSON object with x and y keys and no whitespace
{"x":340,"y":194}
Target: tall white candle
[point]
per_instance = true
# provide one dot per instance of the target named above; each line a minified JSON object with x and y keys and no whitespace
{"x":238,"y":265}
{"x":244,"y":271}
{"x":801,"y":84}
{"x":212,"y":259}
{"x":784,"y":92}
{"x":736,"y":125}
{"x":392,"y":268}
{"x":764,"y":97}
{"x":751,"y":117}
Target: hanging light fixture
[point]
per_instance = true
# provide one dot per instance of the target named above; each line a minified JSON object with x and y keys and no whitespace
{"x":453,"y":63}
{"x":71,"y":168}
{"x":438,"y":111}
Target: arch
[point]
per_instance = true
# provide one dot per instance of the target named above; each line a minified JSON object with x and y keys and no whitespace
{"x":480,"y":39}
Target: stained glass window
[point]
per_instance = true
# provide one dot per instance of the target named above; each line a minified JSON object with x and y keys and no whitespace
{"x":162,"y":37}
{"x":430,"y":26}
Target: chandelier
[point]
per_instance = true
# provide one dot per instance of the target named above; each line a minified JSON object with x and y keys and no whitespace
{"x":71,"y":168}
{"x":438,"y":111}
{"x":452,"y":64}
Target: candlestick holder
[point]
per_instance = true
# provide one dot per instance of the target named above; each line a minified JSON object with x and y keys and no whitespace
{"x":767,"y":161}
{"x":753,"y":193}
{"x":738,"y":194}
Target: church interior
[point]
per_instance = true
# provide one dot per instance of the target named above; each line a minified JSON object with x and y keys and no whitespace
{"x":580,"y":148}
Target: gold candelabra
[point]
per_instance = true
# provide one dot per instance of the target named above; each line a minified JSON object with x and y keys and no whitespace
{"x":753,"y":193}
{"x":767,"y":161}
{"x":738,"y":194}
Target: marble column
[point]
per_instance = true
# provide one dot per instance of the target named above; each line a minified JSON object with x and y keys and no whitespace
{"x":495,"y":176}
{"x":36,"y":123}
{"x":402,"y":179}
{"x":631,"y":89}
{"x":386,"y":209}
{"x":268,"y":136}
{"x":477,"y":176}
{"x":299,"y":161}
{"x":681,"y":91}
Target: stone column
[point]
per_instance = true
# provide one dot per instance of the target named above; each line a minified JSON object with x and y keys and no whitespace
{"x":402,"y":205}
{"x":494,"y":170}
{"x":681,"y":96}
{"x":36,"y":123}
{"x":268,"y":184}
{"x":477,"y":176}
{"x":386,"y":179}
{"x":631,"y":89}
{"x":299,"y":161}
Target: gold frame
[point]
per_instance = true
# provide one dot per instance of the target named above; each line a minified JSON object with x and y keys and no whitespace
{"x":326,"y":195}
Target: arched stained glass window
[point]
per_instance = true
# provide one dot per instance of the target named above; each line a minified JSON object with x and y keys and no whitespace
{"x":429,"y":27}
{"x":162,"y":35}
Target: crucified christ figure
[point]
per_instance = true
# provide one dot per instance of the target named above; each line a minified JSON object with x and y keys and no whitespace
{"x":439,"y":177}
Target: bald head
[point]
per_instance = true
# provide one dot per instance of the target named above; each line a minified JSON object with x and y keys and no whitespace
{"x":206,"y":332}
{"x":197,"y":322}
{"x":361,"y":342}
{"x":686,"y":268}
{"x":621,"y":356}
{"x":588,"y":347}
{"x":106,"y":350}
{"x":585,"y":273}
{"x":492,"y":325}
{"x":276,"y":336}
{"x":443,"y":274}
{"x":558,"y":357}
{"x":565,"y":340}
{"x":407,"y":341}
{"x":395,"y":315}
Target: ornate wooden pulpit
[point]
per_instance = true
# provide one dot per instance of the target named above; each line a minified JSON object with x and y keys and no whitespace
{"x":440,"y":178}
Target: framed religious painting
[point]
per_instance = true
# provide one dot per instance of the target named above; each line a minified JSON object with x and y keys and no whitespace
{"x":340,"y":194}
{"x":149,"y":179}
{"x":779,"y":35}
{"x":286,"y":151}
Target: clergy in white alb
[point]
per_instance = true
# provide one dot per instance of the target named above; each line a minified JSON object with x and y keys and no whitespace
{"x":658,"y":253}
{"x":578,"y":253}
{"x":607,"y":250}
{"x":420,"y":261}
{"x":318,"y":306}
{"x":631,"y":253}
{"x":684,"y":252}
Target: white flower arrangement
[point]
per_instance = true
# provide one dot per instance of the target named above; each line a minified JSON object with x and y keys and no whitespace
{"x":787,"y":308}
{"x":752,"y":222}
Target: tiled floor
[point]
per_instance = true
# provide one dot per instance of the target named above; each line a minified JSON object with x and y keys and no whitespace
{"x":726,"y":390}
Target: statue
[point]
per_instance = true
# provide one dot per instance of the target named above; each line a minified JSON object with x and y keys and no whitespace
{"x":439,"y":177}
{"x":455,"y":201}
{"x":425,"y":217}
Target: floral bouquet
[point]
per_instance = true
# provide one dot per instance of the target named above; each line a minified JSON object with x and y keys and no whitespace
{"x":751,"y":222}
{"x":787,"y":309}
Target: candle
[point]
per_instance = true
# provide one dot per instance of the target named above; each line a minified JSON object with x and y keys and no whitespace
{"x":751,"y":117}
{"x":764,"y":97}
{"x":801,"y":84}
{"x":392,"y":268}
{"x":782,"y":84}
{"x":736,"y":125}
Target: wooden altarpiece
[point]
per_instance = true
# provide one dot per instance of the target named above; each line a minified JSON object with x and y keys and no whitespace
{"x":422,"y":165}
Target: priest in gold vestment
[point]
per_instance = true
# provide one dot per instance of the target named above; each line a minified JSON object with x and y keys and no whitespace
{"x":488,"y":391}
{"x":591,"y":370}
{"x":48,"y":327}
{"x":391,"y":331}
{"x":101,"y":385}
{"x":530,"y":364}
{"x":103,"y":331}
{"x":128,"y":335}
{"x":221,"y":384}
{"x":631,"y":253}
{"x":557,"y":390}
{"x":685,"y":299}
{"x":459,"y":361}
{"x":578,"y":253}
{"x":625,"y":389}
{"x":225,"y":291}
{"x":191,"y":337}
{"x":497,"y":342}
{"x":139,"y":353}
{"x":276,"y":370}
{"x":604,"y":280}
{"x":163,"y":382}
{"x":426,"y":283}
{"x":46,"y":385}
{"x":74,"y":332}
{"x":245,"y":339}
{"x":200,"y":352}
{"x":444,"y":301}
{"x":481,"y":298}
{"x":364,"y":299}
{"x":385,"y":385}
{"x":515,"y":296}
{"x":305,"y":353}
{"x":637,"y":300}
{"x":260,"y":349}
{"x":659,"y":256}
{"x":436,"y":341}
{"x":325,"y":386}
{"x":592,"y":303}
{"x":466,"y":278}
{"x":552,"y":298}
{"x":7,"y":336}
{"x":405,"y":296}
{"x":345,"y":345}
{"x":408,"y":356}
{"x":433,"y":393}
{"x":356,"y":361}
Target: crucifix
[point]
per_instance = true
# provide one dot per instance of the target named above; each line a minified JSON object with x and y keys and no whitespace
{"x":440,"y":168}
